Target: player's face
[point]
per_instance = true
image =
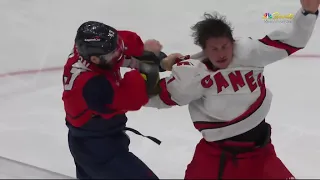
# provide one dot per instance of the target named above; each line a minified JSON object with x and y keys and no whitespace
{"x":219,"y":51}
{"x":114,"y":56}
{"x":108,"y":61}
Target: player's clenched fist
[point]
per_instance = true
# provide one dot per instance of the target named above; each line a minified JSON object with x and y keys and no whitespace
{"x":310,"y":5}
{"x":153,"y":45}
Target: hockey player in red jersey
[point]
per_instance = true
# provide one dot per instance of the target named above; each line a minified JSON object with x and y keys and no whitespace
{"x":96,"y":99}
{"x":228,"y":99}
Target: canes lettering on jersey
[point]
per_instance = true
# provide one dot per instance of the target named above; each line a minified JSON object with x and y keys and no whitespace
{"x":231,"y":80}
{"x":237,"y":80}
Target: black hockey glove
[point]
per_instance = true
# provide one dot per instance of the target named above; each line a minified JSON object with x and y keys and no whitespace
{"x":151,"y":58}
{"x":150,"y":72}
{"x":161,"y":56}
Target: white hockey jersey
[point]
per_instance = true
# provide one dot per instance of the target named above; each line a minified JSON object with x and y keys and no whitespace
{"x":231,"y":101}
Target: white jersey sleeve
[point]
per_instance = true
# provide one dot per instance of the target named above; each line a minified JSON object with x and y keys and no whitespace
{"x":281,"y":43}
{"x":182,"y":87}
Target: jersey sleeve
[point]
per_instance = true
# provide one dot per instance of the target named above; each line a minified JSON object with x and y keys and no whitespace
{"x":182,"y":87}
{"x":133,"y":44}
{"x":281,"y":43}
{"x":133,"y":47}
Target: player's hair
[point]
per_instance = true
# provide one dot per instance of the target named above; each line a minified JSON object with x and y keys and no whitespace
{"x":214,"y":25}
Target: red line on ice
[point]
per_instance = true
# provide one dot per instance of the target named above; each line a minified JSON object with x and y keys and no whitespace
{"x":35,"y":71}
{"x":31,"y":71}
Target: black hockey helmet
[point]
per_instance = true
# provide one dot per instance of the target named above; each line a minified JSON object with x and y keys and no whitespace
{"x":98,"y":39}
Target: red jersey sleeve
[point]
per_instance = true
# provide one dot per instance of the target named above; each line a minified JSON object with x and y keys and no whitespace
{"x":133,"y":43}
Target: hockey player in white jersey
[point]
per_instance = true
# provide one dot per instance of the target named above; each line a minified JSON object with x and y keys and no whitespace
{"x":228,"y":99}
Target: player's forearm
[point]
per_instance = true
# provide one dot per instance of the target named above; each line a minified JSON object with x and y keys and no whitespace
{"x":147,"y":57}
{"x":296,"y":36}
{"x":130,"y":63}
{"x":198,"y":56}
{"x":282,"y":43}
{"x":302,"y":28}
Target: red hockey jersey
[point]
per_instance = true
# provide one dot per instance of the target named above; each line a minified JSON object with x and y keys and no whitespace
{"x":96,"y":99}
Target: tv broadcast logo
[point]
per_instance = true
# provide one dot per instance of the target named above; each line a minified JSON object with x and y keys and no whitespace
{"x":277,"y":17}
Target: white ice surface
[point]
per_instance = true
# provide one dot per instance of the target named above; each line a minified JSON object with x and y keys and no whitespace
{"x":39,"y":34}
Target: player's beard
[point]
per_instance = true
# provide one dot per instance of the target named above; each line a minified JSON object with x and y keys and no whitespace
{"x":112,"y":64}
{"x":105,"y":66}
{"x":109,"y":65}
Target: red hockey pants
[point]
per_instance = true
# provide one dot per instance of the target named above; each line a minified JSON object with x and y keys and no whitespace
{"x":219,"y":161}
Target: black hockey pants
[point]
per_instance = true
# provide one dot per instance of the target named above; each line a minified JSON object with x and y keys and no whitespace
{"x":107,"y":157}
